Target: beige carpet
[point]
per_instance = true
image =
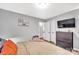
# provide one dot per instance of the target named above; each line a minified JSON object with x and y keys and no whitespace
{"x":40,"y":48}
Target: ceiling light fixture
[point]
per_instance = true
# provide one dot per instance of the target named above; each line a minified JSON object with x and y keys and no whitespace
{"x":41,"y":5}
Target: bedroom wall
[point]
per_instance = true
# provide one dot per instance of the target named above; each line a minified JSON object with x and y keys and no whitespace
{"x":71,"y":14}
{"x":52,"y":27}
{"x":9,"y":26}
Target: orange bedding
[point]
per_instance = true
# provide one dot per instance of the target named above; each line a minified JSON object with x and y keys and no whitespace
{"x":9,"y":48}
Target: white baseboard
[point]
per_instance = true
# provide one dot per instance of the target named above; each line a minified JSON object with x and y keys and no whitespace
{"x":76,"y":49}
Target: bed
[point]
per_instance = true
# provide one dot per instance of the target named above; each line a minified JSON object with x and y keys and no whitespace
{"x":40,"y":48}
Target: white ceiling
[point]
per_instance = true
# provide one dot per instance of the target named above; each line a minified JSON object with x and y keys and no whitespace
{"x":30,"y":9}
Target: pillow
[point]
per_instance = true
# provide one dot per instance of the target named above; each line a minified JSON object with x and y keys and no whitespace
{"x":9,"y":48}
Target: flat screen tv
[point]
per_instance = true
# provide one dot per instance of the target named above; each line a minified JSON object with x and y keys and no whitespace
{"x":66,"y":23}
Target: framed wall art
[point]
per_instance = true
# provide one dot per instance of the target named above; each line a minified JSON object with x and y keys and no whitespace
{"x":23,"y":21}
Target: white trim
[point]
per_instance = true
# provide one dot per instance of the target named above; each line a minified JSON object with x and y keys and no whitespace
{"x":76,"y":49}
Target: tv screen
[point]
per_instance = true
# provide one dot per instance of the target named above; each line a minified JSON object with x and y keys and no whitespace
{"x":67,"y":23}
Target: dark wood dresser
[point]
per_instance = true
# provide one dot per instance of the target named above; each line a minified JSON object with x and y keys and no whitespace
{"x":65,"y":40}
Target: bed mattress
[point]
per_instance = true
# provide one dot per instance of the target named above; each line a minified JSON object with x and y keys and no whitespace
{"x":40,"y":48}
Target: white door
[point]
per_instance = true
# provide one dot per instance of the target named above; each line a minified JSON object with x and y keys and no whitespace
{"x":46,"y":33}
{"x":53,"y":31}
